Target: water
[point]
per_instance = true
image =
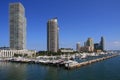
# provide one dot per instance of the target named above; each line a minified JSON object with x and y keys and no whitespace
{"x":105,"y":70}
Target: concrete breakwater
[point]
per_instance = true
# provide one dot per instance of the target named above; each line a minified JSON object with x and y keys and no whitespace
{"x":78,"y":65}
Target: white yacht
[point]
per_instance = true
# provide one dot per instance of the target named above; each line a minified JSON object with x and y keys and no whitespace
{"x":70,"y":63}
{"x":84,"y":55}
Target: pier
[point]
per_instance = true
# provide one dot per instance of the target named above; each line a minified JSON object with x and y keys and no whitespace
{"x":78,"y":65}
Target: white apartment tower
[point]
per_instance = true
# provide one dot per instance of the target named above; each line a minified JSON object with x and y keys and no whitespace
{"x":52,"y":35}
{"x":17,"y":22}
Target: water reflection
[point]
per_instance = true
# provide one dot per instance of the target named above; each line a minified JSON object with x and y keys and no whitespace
{"x":104,"y":70}
{"x":12,"y":71}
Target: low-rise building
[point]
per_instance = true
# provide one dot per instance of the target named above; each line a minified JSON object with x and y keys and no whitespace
{"x":12,"y":53}
{"x":66,"y":50}
{"x":87,"y":49}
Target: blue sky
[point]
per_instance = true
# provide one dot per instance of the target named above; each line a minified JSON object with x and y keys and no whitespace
{"x":77,"y":19}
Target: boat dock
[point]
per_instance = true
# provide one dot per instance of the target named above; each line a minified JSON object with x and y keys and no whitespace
{"x":78,"y":65}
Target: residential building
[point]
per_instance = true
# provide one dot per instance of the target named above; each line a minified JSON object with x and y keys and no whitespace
{"x":78,"y":47}
{"x":52,"y":35}
{"x":11,"y":53}
{"x":90,"y":44}
{"x":17,"y":22}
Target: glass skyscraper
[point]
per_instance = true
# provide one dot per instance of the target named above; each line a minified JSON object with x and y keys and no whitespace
{"x":102,"y":43}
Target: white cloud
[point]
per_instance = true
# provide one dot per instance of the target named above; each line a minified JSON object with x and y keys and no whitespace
{"x":116,"y":43}
{"x":113,"y":45}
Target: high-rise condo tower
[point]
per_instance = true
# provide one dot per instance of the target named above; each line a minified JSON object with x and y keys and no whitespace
{"x":17,"y":23}
{"x":52,"y":35}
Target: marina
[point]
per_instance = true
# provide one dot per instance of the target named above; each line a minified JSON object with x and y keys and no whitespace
{"x":66,"y":61}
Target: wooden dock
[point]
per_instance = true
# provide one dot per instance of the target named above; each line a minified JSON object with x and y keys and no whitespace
{"x":78,"y":65}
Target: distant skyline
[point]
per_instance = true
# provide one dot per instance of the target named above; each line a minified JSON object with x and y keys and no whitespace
{"x":77,"y":19}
